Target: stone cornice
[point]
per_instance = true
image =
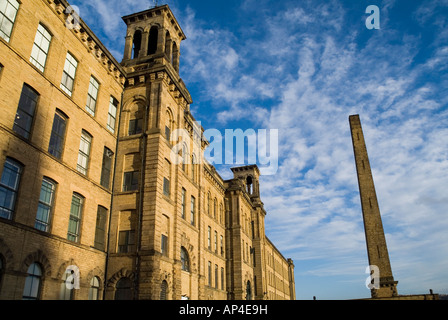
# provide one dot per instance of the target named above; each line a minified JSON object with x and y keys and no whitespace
{"x":165,"y":9}
{"x":90,"y":41}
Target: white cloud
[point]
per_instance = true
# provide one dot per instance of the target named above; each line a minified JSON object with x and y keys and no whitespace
{"x":305,"y":77}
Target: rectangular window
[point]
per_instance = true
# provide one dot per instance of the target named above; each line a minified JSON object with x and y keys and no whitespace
{"x":222,"y":278}
{"x":183,"y":203}
{"x":44,"y":208}
{"x":216,"y":276}
{"x":209,"y":274}
{"x":106,"y":168}
{"x":126,"y":241}
{"x":25,"y":111}
{"x":8,"y":13}
{"x":112,"y":116}
{"x":100,"y":230}
{"x":40,"y":48}
{"x":9,"y":186}
{"x":167,"y":133}
{"x":74,"y":223}
{"x":164,"y":245}
{"x":84,"y":152}
{"x":193,"y":204}
{"x":130,"y":181}
{"x":222,"y":246}
{"x":57,"y":135}
{"x":68,"y":76}
{"x":252,"y":253}
{"x":166,"y":187}
{"x":216,"y":242}
{"x":209,"y":238}
{"x":135,"y":126}
{"x":92,"y":96}
{"x":252,"y":223}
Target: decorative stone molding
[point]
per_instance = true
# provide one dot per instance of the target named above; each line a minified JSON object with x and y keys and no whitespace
{"x":123,"y":273}
{"x":83,"y":33}
{"x":96,"y":272}
{"x":40,"y":257}
{"x":63,"y":267}
{"x":6,"y":253}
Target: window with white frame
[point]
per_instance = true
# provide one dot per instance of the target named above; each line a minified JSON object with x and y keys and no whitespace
{"x":8,"y":13}
{"x":43,"y":216}
{"x":74,"y":224}
{"x":84,"y":152}
{"x":193,"y":204}
{"x":92,"y":96}
{"x":112,"y":116}
{"x":9,"y":187}
{"x":183,"y":203}
{"x":68,"y":76}
{"x":58,"y":134}
{"x":40,"y":48}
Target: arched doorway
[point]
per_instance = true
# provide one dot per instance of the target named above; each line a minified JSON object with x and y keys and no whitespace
{"x":124,"y":289}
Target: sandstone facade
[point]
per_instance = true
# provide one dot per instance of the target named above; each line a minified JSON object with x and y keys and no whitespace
{"x":90,"y":190}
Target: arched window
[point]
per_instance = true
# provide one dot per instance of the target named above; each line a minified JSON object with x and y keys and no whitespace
{"x":33,"y":282}
{"x":137,"y":43}
{"x":40,"y":48}
{"x":152,"y":41}
{"x":44,"y":209}
{"x":66,"y":292}
{"x":94,"y":290}
{"x":9,"y":187}
{"x":168,"y":125}
{"x":185,"y":260}
{"x":221,"y":214}
{"x":163,"y":290}
{"x":123,"y":289}
{"x":249,"y":184}
{"x":175,"y":57}
{"x":168,"y":46}
{"x":84,"y":152}
{"x":74,"y":224}
{"x":135,"y":125}
{"x":26,"y":111}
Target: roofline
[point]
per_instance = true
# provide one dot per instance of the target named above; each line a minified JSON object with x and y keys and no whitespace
{"x":97,"y":41}
{"x":163,"y":7}
{"x":244,"y":168}
{"x":287,"y":260}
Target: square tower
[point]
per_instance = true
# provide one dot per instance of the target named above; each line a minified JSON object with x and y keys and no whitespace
{"x":153,"y":36}
{"x":151,"y":189}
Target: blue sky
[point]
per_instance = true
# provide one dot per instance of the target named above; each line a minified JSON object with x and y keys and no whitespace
{"x":303,"y":67}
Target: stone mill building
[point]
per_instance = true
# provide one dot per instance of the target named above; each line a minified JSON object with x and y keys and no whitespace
{"x":93,"y":205}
